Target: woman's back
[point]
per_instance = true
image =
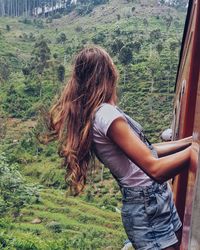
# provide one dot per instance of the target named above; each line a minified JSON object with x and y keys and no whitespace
{"x":126,"y":172}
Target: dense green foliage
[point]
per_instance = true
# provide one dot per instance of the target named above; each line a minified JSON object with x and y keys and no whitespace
{"x":143,"y":38}
{"x":14,"y":192}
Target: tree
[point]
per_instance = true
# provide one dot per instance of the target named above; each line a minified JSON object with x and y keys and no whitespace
{"x":61,"y":38}
{"x":162,"y":2}
{"x":98,"y":2}
{"x":2,"y":127}
{"x":61,"y":73}
{"x":159,"y":47}
{"x":178,"y":3}
{"x":117,"y":30}
{"x":99,"y":38}
{"x":15,"y":102}
{"x":14,"y":193}
{"x":155,"y":35}
{"x":40,"y":55}
{"x":173,"y":45}
{"x":133,"y":9}
{"x":168,"y":21}
{"x":4,"y":70}
{"x":135,"y":46}
{"x":118,"y":17}
{"x":125,"y":55}
{"x":7,"y":27}
{"x":117,"y":45}
{"x":153,"y":65}
{"x":83,"y":9}
{"x":146,"y":23}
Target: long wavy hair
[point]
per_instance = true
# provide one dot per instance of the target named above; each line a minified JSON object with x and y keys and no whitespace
{"x":92,"y":82}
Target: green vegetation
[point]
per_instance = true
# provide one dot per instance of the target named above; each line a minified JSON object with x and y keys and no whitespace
{"x":143,"y":38}
{"x":57,"y":222}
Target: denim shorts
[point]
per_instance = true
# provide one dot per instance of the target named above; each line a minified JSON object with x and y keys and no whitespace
{"x":149,"y":216}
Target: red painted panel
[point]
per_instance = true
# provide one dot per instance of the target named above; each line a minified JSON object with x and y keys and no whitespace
{"x":187,"y":103}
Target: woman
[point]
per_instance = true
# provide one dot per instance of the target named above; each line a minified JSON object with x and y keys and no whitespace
{"x":87,"y":122}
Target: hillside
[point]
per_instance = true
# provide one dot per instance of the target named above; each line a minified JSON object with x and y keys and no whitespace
{"x":144,"y":39}
{"x":152,"y":32}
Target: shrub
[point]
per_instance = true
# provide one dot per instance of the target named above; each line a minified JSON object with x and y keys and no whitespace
{"x":78,"y":28}
{"x":5,"y":223}
{"x":155,"y":35}
{"x":61,"y":38}
{"x":57,"y":15}
{"x":3,"y":240}
{"x":91,"y":239}
{"x":49,"y":20}
{"x":7,"y":27}
{"x":59,"y":244}
{"x":54,"y":226}
{"x":84,"y":9}
{"x":26,"y":21}
{"x":39,"y":23}
{"x":117,"y":45}
{"x":61,"y":73}
{"x":89,"y":196}
{"x":25,"y":244}
{"x":54,"y":178}
{"x":99,"y":38}
{"x":14,"y":193}
{"x":125,"y":55}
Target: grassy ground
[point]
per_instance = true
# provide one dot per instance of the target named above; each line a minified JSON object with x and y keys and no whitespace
{"x":83,"y":225}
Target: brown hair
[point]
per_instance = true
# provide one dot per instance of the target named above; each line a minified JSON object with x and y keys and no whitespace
{"x":93,"y":81}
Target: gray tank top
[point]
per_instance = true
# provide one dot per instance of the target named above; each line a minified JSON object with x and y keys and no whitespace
{"x":126,"y":172}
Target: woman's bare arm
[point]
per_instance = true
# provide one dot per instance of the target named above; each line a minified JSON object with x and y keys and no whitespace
{"x":171,"y":147}
{"x":161,"y":169}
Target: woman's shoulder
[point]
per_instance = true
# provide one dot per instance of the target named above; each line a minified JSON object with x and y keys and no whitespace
{"x":105,"y":114}
{"x":107,"y":111}
{"x":106,"y":107}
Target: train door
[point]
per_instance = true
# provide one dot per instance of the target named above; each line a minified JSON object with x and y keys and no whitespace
{"x":186,"y":123}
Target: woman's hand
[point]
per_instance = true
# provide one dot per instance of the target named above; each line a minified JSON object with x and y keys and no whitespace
{"x":171,"y":147}
{"x":186,"y":140}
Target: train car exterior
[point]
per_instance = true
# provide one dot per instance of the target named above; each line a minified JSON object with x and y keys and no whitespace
{"x":186,"y":122}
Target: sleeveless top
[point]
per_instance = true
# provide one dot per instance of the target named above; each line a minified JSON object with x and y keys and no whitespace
{"x":125,"y":171}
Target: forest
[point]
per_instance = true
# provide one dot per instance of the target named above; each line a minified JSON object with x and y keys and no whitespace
{"x":143,"y":37}
{"x":27,"y":8}
{"x":15,"y":8}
